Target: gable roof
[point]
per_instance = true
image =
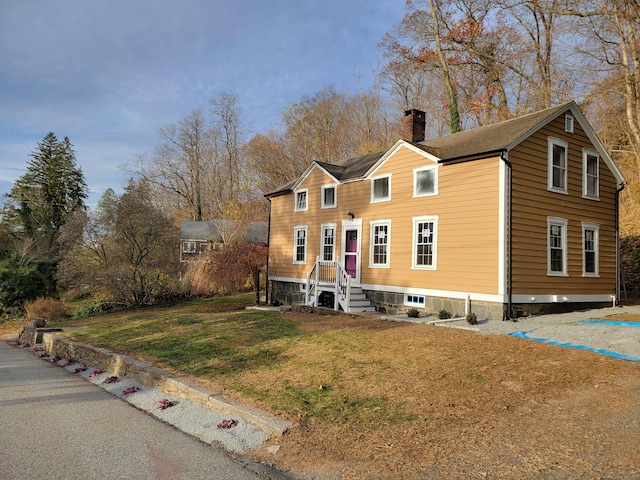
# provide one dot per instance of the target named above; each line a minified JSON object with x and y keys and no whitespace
{"x":478,"y":142}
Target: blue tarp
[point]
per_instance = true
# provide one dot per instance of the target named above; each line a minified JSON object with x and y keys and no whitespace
{"x":573,"y":345}
{"x":615,"y":324}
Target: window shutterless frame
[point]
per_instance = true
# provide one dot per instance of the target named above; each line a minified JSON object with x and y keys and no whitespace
{"x":557,"y":247}
{"x":558,"y":151}
{"x":381,"y":188}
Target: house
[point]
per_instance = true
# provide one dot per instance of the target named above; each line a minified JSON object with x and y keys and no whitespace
{"x":515,"y":218}
{"x":200,"y":237}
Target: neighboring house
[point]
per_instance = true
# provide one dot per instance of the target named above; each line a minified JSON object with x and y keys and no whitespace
{"x":200,"y":237}
{"x":514,"y":218}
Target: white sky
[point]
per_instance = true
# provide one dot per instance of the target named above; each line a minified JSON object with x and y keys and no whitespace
{"x":109,"y":73}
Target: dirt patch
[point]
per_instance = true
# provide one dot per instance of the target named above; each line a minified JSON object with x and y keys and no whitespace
{"x":427,"y":402}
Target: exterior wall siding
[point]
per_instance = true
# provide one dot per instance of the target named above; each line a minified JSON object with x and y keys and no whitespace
{"x":467,"y":230}
{"x":532,"y":203}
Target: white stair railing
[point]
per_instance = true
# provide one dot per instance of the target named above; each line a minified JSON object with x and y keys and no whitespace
{"x":343,"y":287}
{"x":310,"y":297}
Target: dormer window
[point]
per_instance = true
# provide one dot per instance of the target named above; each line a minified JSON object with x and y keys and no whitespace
{"x":301,"y":200}
{"x":381,"y":189}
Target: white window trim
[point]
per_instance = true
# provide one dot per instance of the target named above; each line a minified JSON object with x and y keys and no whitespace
{"x":416,"y":220}
{"x":561,"y":143}
{"x":563,"y":223}
{"x":335,"y":195}
{"x":295,"y":244}
{"x":415,"y":183}
{"x":335,"y":236}
{"x":569,"y":122}
{"x":585,"y":154}
{"x":414,"y":304}
{"x":373,"y":224}
{"x":373,"y":180}
{"x":295,"y":199}
{"x":596,"y":240}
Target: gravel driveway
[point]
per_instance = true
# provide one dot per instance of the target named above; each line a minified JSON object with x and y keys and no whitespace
{"x":583,"y":330}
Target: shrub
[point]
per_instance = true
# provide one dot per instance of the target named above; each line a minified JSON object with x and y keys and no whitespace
{"x":472,"y":318}
{"x":48,"y":308}
{"x":413,"y":313}
{"x":92,"y":309}
{"x":444,"y":314}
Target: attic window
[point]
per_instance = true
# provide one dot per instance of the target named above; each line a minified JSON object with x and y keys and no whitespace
{"x":568,"y":123}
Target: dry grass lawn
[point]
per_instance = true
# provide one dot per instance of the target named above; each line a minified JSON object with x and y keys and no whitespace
{"x":374,"y":399}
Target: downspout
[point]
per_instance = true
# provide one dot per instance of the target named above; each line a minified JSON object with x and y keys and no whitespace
{"x":618,"y":263}
{"x":266,"y":288}
{"x":503,"y":157}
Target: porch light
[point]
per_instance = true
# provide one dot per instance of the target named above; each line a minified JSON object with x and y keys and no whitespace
{"x":350,"y":215}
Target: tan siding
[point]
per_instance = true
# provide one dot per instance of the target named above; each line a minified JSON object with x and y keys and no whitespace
{"x":467,"y":208}
{"x":532,"y":204}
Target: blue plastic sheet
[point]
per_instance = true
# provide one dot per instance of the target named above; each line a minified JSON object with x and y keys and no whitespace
{"x":601,"y":351}
{"x":615,"y":324}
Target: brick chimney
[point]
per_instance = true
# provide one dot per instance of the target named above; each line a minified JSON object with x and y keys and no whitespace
{"x":413,"y":126}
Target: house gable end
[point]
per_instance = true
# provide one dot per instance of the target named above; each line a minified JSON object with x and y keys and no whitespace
{"x":308,"y":171}
{"x":400,"y":144}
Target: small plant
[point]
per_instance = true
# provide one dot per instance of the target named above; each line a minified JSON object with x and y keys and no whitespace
{"x":130,"y":390}
{"x":81,"y":368}
{"x":413,"y":313}
{"x":111,"y":379}
{"x":165,"y":403}
{"x":230,"y":423}
{"x":444,"y":314}
{"x":472,"y":318}
{"x":95,"y":373}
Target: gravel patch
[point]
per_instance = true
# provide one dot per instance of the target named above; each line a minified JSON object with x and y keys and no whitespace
{"x":569,"y":330}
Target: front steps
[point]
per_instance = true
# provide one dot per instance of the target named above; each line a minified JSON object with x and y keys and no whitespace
{"x":358,"y":301}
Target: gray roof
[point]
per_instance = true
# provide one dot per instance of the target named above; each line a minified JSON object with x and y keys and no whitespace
{"x":255,"y":232}
{"x":483,"y":140}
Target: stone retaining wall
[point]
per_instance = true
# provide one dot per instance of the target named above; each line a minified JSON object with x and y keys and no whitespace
{"x":148,"y":375}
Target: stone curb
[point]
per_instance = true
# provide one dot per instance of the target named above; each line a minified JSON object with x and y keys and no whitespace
{"x":151,"y":376}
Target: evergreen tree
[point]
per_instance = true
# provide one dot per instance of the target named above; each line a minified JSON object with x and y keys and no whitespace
{"x":49,"y":192}
{"x":39,"y":204}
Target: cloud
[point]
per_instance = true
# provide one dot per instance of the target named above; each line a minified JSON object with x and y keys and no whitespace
{"x":108,"y":74}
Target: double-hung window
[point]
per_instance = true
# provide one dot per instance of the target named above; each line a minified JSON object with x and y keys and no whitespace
{"x":380,"y":232}
{"x":590,"y":234}
{"x":425,"y":181}
{"x":301,"y":200}
{"x":425,"y":242}
{"x":328,"y":196}
{"x":590,"y":174}
{"x":557,"y":247}
{"x":328,"y":246}
{"x":558,"y":151}
{"x":300,"y":244}
{"x":381,"y":189}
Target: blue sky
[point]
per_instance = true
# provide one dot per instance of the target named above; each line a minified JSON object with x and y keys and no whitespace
{"x":109,"y":73}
